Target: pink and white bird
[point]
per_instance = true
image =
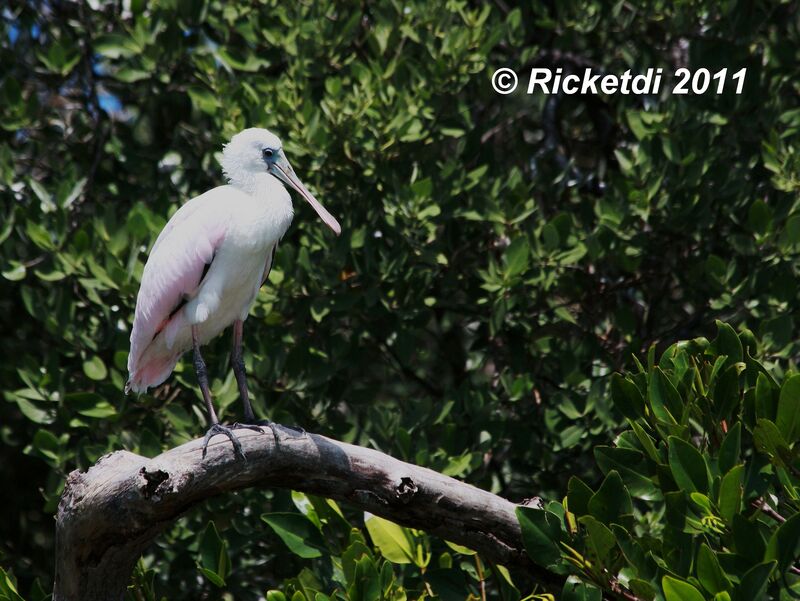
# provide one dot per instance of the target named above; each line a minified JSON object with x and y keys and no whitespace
{"x":207,"y":266}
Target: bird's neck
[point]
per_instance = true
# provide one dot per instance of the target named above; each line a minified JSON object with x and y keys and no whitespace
{"x":256,"y":184}
{"x":269,"y":202}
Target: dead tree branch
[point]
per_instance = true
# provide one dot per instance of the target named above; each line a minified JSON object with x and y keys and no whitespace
{"x":109,"y":515}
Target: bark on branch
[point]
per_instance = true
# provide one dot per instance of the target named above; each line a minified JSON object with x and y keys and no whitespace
{"x":110,"y":514}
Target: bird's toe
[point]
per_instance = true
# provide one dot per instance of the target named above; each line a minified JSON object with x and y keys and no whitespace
{"x":219,"y":429}
{"x":255,"y":427}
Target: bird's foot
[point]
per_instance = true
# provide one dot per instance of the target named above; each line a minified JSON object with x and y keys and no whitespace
{"x":216,"y":429}
{"x":262,"y":423}
{"x":255,"y":427}
{"x":301,"y":432}
{"x":274,"y":427}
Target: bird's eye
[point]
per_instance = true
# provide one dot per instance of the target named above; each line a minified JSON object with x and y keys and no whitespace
{"x":267,"y":152}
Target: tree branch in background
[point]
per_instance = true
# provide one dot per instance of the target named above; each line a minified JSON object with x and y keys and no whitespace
{"x":109,"y":515}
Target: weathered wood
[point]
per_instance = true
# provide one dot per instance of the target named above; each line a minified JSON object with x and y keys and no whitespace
{"x":110,"y":514}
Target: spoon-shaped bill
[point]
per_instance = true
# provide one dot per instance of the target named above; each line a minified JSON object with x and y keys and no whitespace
{"x":286,"y":173}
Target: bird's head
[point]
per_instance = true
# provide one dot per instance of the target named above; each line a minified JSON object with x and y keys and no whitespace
{"x":257,"y":150}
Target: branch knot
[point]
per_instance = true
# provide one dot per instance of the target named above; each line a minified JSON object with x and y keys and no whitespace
{"x":406,"y":490}
{"x":152,"y":487}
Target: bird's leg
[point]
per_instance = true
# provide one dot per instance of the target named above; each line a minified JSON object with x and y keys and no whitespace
{"x":202,"y":379}
{"x":241,"y":379}
{"x":239,"y":371}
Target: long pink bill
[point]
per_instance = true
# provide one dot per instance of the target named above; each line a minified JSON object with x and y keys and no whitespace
{"x":294,"y":182}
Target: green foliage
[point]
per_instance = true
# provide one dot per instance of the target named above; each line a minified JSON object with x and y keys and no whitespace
{"x":721,"y":516}
{"x":214,"y":562}
{"x":8,"y":589}
{"x":344,"y":564}
{"x":397,"y":544}
{"x":501,"y":258}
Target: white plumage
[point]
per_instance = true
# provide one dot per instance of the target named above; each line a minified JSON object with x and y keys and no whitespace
{"x":212,"y":257}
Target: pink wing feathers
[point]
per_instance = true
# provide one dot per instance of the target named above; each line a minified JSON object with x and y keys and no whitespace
{"x":173,"y":271}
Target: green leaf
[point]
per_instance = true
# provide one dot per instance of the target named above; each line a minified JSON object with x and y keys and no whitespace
{"x":395,"y":542}
{"x":541,"y":535}
{"x":297,"y":532}
{"x":612,"y":502}
{"x":213,"y":562}
{"x":635,"y":554}
{"x":632,"y":466}
{"x":506,"y":584}
{"x":34,"y":413}
{"x":74,"y":192}
{"x":516,"y":256}
{"x":688,"y":466}
{"x":759,"y":216}
{"x":678,"y":590}
{"x":575,"y":590}
{"x":309,"y":585}
{"x":788,"y":417}
{"x":115,"y":46}
{"x":730,"y":493}
{"x":45,"y":199}
{"x":766,"y":407}
{"x":90,"y":404}
{"x":709,"y":572}
{"x":636,"y":125}
{"x":47,"y":444}
{"x":642,"y":589}
{"x":625,"y":161}
{"x":726,"y":393}
{"x":769,"y":439}
{"x":754,"y":582}
{"x":646,"y":441}
{"x":747,"y":538}
{"x":703,"y":502}
{"x":8,"y":588}
{"x":728,"y":343}
{"x":784,"y":544}
{"x":356,"y":549}
{"x":203,"y":99}
{"x":459,"y":548}
{"x":730,"y":448}
{"x":319,"y":309}
{"x":578,"y":495}
{"x":366,"y":580}
{"x":627,"y":397}
{"x":15,"y":272}
{"x":213,"y":577}
{"x":39,"y":236}
{"x":600,"y":541}
{"x":95,"y":369}
{"x":664,"y":398}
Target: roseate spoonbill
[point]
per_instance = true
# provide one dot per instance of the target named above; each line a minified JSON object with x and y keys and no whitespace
{"x":207,"y":266}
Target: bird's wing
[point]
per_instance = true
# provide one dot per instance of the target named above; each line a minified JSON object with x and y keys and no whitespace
{"x":176,"y":265}
{"x":268,"y":264}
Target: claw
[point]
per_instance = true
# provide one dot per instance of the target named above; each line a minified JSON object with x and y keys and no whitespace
{"x":298,"y":429}
{"x":217,"y":429}
{"x":274,"y":427}
{"x":255,"y":428}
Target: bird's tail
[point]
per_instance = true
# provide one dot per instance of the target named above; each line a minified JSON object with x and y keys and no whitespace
{"x":151,"y":371}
